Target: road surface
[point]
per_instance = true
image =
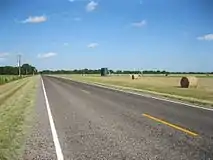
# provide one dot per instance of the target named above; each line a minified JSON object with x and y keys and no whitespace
{"x":96,"y":123}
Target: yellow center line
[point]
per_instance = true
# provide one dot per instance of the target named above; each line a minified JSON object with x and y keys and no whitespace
{"x":171,"y":125}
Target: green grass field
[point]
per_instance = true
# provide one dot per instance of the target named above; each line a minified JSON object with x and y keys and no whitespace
{"x":16,"y":111}
{"x":161,"y":85}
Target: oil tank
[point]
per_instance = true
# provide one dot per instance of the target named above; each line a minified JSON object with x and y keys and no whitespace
{"x":104,"y":71}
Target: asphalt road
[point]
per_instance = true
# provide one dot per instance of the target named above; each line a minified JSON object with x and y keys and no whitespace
{"x":97,"y":123}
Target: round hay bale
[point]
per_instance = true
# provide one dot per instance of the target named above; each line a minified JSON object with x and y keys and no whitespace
{"x":188,"y":82}
{"x":133,"y":76}
{"x":137,"y":76}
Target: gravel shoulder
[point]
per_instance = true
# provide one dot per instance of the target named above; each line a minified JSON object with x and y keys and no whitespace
{"x":39,"y":144}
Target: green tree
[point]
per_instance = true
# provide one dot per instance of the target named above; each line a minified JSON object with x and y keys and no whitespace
{"x":27,"y":69}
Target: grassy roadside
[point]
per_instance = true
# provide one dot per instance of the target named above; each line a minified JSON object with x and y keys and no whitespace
{"x":9,"y":78}
{"x":158,"y":86}
{"x":16,"y":109}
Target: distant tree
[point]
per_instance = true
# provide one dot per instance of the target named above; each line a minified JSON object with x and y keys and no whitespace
{"x":98,"y":71}
{"x":26,"y":69}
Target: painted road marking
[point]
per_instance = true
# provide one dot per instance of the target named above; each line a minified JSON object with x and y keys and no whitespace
{"x":52,"y":125}
{"x":87,"y":92}
{"x":171,"y":125}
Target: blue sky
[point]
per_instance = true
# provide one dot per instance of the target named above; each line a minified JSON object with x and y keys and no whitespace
{"x":175,"y":35}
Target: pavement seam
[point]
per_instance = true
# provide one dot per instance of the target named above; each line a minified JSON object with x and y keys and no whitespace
{"x":87,"y":92}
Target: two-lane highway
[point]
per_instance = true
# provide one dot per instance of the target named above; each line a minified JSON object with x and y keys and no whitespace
{"x":96,"y":123}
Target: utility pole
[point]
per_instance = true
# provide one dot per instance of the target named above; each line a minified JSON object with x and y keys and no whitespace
{"x":34,"y":70}
{"x":19,"y":65}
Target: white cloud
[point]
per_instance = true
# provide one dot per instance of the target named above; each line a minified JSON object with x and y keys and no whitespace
{"x":207,"y":37}
{"x":47,"y":55}
{"x":77,"y":19}
{"x":35,"y":19}
{"x":66,"y":44}
{"x":4,"y":55}
{"x":91,"y":6}
{"x":139,"y":24}
{"x":2,"y":59}
{"x":92,"y":45}
{"x":77,"y":0}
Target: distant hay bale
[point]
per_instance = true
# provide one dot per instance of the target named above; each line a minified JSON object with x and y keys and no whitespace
{"x":189,"y":82}
{"x":134,"y":76}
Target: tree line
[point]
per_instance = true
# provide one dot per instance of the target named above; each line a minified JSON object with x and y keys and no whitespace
{"x":98,"y":71}
{"x":26,"y":69}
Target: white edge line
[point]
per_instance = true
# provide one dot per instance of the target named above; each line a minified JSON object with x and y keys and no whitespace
{"x":52,"y":125}
{"x":143,"y":95}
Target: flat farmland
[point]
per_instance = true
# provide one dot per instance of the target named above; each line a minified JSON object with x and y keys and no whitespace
{"x":162,"y":85}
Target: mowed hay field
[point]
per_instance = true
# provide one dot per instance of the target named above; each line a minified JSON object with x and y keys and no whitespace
{"x":169,"y":85}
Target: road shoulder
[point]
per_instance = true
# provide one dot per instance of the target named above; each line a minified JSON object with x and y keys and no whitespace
{"x":39,"y":144}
